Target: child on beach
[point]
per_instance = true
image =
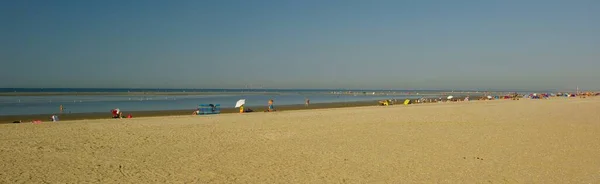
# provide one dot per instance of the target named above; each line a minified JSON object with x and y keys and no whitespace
{"x":271,"y":108}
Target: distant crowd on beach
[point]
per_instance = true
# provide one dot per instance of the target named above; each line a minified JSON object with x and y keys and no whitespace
{"x":270,"y":107}
{"x":509,"y":96}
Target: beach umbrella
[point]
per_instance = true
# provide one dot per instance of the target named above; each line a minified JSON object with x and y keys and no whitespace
{"x":240,"y":103}
{"x":450,"y":97}
{"x":489,"y":97}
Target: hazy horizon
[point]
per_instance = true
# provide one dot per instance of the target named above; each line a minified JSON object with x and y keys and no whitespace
{"x":429,"y":44}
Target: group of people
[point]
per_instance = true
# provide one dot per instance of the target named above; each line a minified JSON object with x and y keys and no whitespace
{"x":270,"y":108}
{"x":243,"y":109}
{"x":116,"y":113}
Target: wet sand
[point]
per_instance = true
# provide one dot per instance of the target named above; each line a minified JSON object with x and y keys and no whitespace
{"x":525,"y":141}
{"x":138,"y":114}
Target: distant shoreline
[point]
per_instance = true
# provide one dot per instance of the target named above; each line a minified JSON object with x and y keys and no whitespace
{"x":136,"y":114}
{"x":149,"y":91}
{"x":123,"y":93}
{"x":183,"y":112}
{"x":225,"y":93}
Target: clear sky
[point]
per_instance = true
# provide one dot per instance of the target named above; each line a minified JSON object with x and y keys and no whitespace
{"x":416,"y":44}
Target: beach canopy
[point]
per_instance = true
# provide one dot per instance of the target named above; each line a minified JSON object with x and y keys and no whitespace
{"x":450,"y":97}
{"x":240,"y":103}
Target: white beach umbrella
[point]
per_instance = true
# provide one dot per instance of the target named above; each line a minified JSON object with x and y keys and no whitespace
{"x":450,"y":97}
{"x":489,"y":97}
{"x":240,"y":103}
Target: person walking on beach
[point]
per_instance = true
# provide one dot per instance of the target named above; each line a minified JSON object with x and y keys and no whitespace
{"x":306,"y":102}
{"x":61,"y":108}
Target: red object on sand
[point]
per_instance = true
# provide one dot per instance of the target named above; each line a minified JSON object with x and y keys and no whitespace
{"x":36,"y":121}
{"x":129,"y":116}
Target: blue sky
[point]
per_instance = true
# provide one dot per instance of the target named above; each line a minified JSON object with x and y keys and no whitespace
{"x":425,"y":44}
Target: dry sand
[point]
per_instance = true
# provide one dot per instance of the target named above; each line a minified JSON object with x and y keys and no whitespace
{"x":525,"y":141}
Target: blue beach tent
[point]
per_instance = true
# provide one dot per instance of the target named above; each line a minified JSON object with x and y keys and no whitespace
{"x":209,"y":109}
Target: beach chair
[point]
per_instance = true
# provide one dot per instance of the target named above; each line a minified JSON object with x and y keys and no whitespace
{"x":209,"y":109}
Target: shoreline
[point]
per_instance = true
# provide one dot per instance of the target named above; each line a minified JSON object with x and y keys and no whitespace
{"x":156,"y":113}
{"x":182,"y":93}
{"x":128,"y":93}
{"x":137,"y":114}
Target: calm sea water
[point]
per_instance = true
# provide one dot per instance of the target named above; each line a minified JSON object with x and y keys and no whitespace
{"x":27,"y":105}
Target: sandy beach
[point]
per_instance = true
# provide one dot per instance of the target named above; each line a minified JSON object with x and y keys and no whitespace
{"x":506,"y":141}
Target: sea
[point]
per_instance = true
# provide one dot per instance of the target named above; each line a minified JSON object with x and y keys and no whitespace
{"x":29,"y":104}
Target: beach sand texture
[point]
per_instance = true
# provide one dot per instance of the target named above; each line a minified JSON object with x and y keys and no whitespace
{"x":525,"y":141}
